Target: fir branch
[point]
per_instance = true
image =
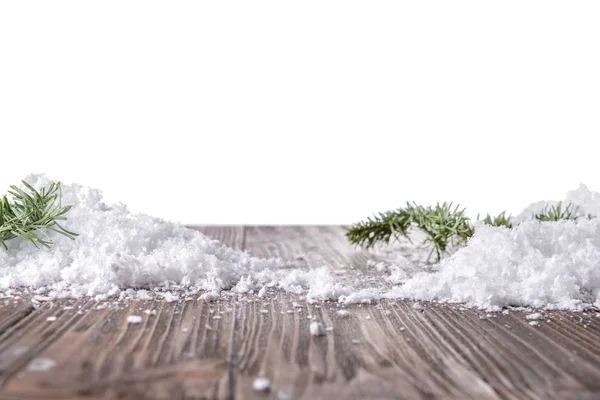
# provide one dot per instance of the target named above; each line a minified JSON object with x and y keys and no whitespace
{"x":380,"y":228}
{"x":443,"y":226}
{"x":33,"y":211}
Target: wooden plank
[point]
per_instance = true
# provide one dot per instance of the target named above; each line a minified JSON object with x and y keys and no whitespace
{"x":387,"y":350}
{"x":181,"y":352}
{"x":229,"y":235}
{"x":438,"y":351}
{"x":307,"y":246}
{"x":11,"y":312}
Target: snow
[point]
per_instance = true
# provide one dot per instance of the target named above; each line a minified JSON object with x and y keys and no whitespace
{"x":41,"y":364}
{"x":134,"y":319}
{"x":316,"y":329}
{"x":118,"y":250}
{"x":549,"y":265}
{"x":261,"y":385}
{"x":209,"y":296}
{"x":534,"y":316}
{"x":119,"y":254}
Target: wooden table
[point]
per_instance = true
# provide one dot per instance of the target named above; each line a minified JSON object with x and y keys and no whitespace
{"x":194,"y":349}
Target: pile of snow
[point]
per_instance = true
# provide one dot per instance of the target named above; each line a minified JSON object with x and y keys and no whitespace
{"x":584,"y":202}
{"x":118,"y":250}
{"x":554,"y":265}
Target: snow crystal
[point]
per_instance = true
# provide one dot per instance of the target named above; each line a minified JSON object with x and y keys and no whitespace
{"x":41,"y":364}
{"x":261,"y":385}
{"x":342,"y":313}
{"x":262,"y":291}
{"x":316,"y":329}
{"x":134,"y":319}
{"x":534,"y":316}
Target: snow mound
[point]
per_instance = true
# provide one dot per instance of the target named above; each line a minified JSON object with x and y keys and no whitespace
{"x":554,"y":265}
{"x":118,"y":250}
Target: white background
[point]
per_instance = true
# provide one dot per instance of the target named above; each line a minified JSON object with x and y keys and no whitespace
{"x":306,"y":111}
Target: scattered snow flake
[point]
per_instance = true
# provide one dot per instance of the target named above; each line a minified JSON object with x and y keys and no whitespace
{"x":150,"y":312}
{"x":534,"y":323}
{"x":342,"y":313}
{"x":355,"y":341}
{"x":264,"y":311}
{"x":41,"y":364}
{"x":143,"y":295}
{"x":134,"y":319}
{"x":261,"y":385}
{"x":170,"y":297}
{"x":51,"y":319}
{"x":262,"y":292}
{"x":316,"y":329}
{"x":535,"y":316}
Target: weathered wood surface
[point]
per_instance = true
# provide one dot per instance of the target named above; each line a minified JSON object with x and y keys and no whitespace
{"x":195,"y":349}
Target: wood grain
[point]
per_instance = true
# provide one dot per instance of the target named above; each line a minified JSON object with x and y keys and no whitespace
{"x":231,"y":236}
{"x":194,"y":349}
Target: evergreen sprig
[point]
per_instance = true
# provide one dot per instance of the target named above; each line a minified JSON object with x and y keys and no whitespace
{"x":380,"y":228}
{"x":32,"y":211}
{"x":442,"y":224}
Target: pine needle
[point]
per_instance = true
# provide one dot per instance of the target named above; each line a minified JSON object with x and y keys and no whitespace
{"x":443,"y":225}
{"x":31,"y":213}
